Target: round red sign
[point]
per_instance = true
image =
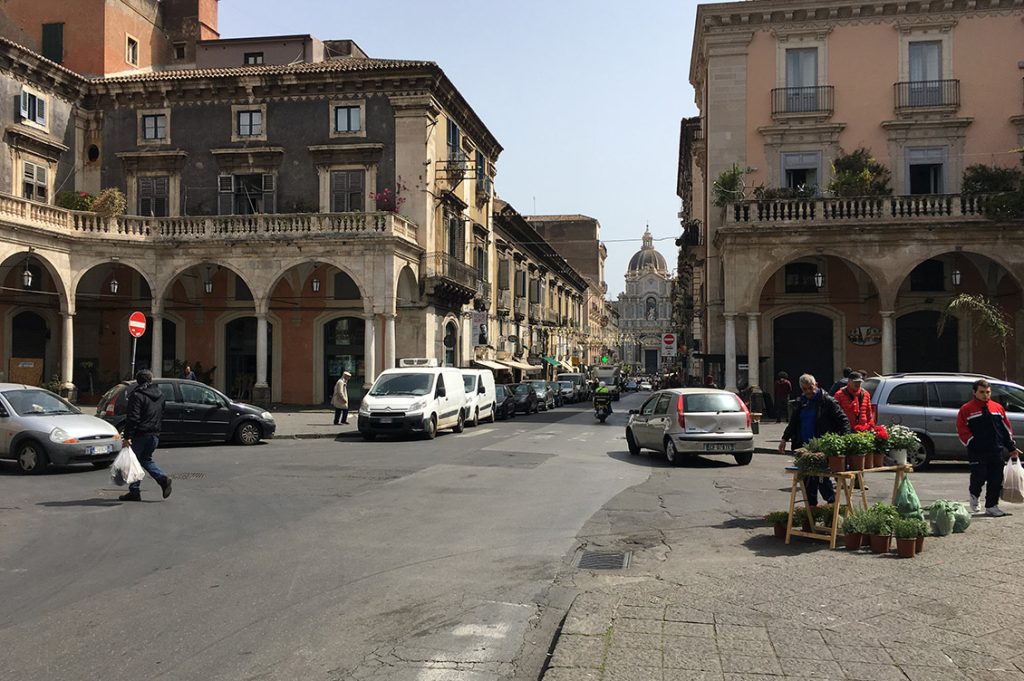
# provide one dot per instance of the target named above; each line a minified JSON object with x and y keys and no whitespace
{"x":668,"y":339}
{"x":137,"y":324}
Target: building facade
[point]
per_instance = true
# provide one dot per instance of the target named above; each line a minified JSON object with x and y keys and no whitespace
{"x":790,"y":270}
{"x":645,"y":309}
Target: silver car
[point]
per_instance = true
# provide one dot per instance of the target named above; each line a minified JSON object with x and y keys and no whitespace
{"x":687,"y":421}
{"x":38,"y":428}
{"x":545,"y":394}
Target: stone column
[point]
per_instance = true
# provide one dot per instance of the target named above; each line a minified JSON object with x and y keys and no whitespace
{"x":370,"y":351}
{"x":68,"y":354}
{"x":389,"y":341}
{"x":753,"y":350}
{"x":888,"y":342}
{"x":730,"y":350}
{"x":156,"y":361}
{"x":468,"y":353}
{"x":262,"y":388}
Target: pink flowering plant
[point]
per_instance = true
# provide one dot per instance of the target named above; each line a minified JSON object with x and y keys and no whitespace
{"x":388,"y":199}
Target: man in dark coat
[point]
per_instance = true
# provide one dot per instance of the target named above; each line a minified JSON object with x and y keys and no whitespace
{"x":144,"y":417}
{"x":816,"y":413}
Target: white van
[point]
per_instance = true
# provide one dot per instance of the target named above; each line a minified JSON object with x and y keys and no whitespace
{"x":480,"y":395}
{"x":421,"y":399}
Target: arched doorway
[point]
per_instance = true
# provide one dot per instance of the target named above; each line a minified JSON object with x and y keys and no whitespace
{"x":343,"y":351}
{"x":451,"y":344}
{"x":240,"y":357}
{"x":920,"y":348}
{"x":144,"y":350}
{"x":29,"y":336}
{"x":803,"y":345}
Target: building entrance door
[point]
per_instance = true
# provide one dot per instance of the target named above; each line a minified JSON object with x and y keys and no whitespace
{"x":919,"y":349}
{"x":651,"y":361}
{"x":343,"y":351}
{"x":240,"y":357}
{"x":29,"y":336}
{"x":803,"y":345}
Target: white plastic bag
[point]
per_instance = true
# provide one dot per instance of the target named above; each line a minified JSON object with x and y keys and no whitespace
{"x":126,"y":468}
{"x":1013,"y":482}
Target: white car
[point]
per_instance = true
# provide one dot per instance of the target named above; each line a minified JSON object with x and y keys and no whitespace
{"x":645,"y":385}
{"x":418,"y":398}
{"x":480,"y":395}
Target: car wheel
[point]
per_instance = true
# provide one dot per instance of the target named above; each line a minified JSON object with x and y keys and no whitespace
{"x":248,"y":433}
{"x":744,"y":458}
{"x":430,"y":429}
{"x":460,"y":425}
{"x":923,"y":456}
{"x":494,"y":413}
{"x":31,"y":458}
{"x":671,"y":454}
{"x":634,"y":448}
{"x":369,"y":437}
{"x":476,"y":419}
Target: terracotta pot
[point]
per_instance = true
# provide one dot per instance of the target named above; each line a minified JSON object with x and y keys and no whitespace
{"x":853,"y":541}
{"x":905,"y":547}
{"x":919,"y":545}
{"x":856,"y":461}
{"x":879,"y":458}
{"x":880,"y":543}
{"x":780,"y":531}
{"x":837,"y":464}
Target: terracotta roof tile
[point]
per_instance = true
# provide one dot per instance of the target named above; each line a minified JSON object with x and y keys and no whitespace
{"x":344,"y":64}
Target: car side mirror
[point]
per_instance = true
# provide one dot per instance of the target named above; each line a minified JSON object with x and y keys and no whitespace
{"x":441,"y":392}
{"x":634,"y":411}
{"x":481,"y":390}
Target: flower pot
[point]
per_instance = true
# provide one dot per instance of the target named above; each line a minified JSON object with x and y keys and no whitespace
{"x":856,"y":461}
{"x":880,"y":543}
{"x":919,"y":547}
{"x":853,"y":540}
{"x":899,"y":457}
{"x":837,"y":464}
{"x":879,"y":459}
{"x":780,"y":531}
{"x":905,"y":547}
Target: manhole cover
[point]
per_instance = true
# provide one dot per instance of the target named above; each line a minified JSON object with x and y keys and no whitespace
{"x":187,"y":476}
{"x":604,"y":560}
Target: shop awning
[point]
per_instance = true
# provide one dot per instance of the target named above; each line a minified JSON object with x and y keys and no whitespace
{"x":522,"y":366}
{"x":552,"y":361}
{"x":490,"y":365}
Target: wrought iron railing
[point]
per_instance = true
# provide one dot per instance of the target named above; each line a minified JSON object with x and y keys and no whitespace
{"x":922,"y":94}
{"x":916,"y":208}
{"x":441,"y":265}
{"x":818,"y":99}
{"x":534,"y":312}
{"x":521,"y":307}
{"x":504,"y":299}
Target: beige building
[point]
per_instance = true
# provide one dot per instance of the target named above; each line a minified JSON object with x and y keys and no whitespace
{"x":786,"y":275}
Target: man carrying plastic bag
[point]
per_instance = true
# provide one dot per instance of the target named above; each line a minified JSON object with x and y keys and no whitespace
{"x":126,"y":469}
{"x":145,"y":415}
{"x":985,"y":431}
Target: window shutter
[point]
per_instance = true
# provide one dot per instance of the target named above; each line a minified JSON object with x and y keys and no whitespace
{"x":24,"y":104}
{"x":161,"y":186}
{"x":28,"y":171}
{"x":41,"y":175}
{"x":226,"y":184}
{"x":41,"y":110}
{"x":225,"y":197}
{"x":268,"y":182}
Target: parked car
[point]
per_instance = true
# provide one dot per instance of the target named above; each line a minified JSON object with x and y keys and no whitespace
{"x":545,"y":394}
{"x":557,"y":393}
{"x":568,"y":391}
{"x":681,"y":422}
{"x":645,"y":386}
{"x":526,"y":398}
{"x":928,"y":403}
{"x":505,"y":401}
{"x":479,"y":395}
{"x":194,"y":412}
{"x":418,"y":397}
{"x":631,"y":385}
{"x":579,"y":380}
{"x":38,"y":428}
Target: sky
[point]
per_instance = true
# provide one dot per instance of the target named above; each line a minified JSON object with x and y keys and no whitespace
{"x":585,"y":96}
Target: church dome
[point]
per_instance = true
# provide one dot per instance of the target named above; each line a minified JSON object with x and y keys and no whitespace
{"x":647,"y":258}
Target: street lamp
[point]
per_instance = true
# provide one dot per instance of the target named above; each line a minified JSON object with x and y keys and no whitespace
{"x":113,"y":284}
{"x":208,"y":284}
{"x":26,"y":276}
{"x":819,"y":279}
{"x":316,"y":281}
{"x":955,"y":276}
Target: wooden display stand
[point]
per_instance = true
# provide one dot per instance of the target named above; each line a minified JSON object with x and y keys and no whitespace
{"x":845,"y":484}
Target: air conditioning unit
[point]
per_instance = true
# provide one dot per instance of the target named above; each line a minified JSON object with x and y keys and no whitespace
{"x":417,"y":362}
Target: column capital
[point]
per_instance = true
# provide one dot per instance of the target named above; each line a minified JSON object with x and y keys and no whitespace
{"x":887,"y":313}
{"x":730,"y":315}
{"x":390,"y":316}
{"x":753,"y":315}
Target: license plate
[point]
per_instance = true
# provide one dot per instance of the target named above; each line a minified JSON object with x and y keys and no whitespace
{"x":102,"y":449}
{"x":386,"y":419}
{"x":719,"y":447}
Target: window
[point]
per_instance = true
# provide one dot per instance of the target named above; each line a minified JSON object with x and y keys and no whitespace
{"x":131,"y":51}
{"x":925,"y":170}
{"x":253,"y":58}
{"x":246,"y":194}
{"x":197,"y":394}
{"x":451,"y":338}
{"x":456,"y":236}
{"x":53,"y":42}
{"x":951,"y":395}
{"x":520,"y":283}
{"x":168,"y":391}
{"x":347,"y":119}
{"x":33,"y":107}
{"x":800,"y":277}
{"x":649,"y":405}
{"x":925,"y":59}
{"x":651,"y":309}
{"x":802,"y":79}
{"x":153,"y":196}
{"x":179,"y":50}
{"x":1012,"y":398}
{"x":154,"y":126}
{"x":504,"y":267}
{"x":662,"y":406}
{"x":454,"y":140}
{"x":33,"y":181}
{"x":928,"y":276}
{"x":250,"y":123}
{"x":480,"y":261}
{"x":801,"y":169}
{"x":347,"y":190}
{"x":909,"y":395}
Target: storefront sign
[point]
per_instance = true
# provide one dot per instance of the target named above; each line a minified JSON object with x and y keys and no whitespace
{"x":865,"y":335}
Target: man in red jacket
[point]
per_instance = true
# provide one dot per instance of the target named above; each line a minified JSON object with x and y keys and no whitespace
{"x":856,"y":403}
{"x":985,"y":431}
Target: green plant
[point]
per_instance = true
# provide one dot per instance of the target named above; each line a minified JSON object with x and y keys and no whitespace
{"x":728,"y":186}
{"x":1003,"y":207}
{"x":921,"y":528}
{"x":823,"y":514}
{"x":982,"y":179}
{"x":777,"y":517}
{"x":858,"y":174}
{"x":855,"y":522}
{"x":110,"y":203}
{"x":54,"y":385}
{"x":994,"y":322}
{"x":74,"y":200}
{"x":901,"y":437}
{"x":906,"y":529}
{"x":833,"y":444}
{"x":812,"y":463}
{"x":860,"y":443}
{"x":813,"y":445}
{"x":887,"y":511}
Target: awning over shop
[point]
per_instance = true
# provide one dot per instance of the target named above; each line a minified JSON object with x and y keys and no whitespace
{"x":522,"y":366}
{"x":491,"y":365}
{"x":552,"y":361}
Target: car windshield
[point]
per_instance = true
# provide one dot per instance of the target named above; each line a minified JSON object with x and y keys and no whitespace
{"x":38,"y":402}
{"x":402,"y":384}
{"x":470,"y":382}
{"x":711,"y":403}
{"x":539,"y":385}
{"x":565,"y":384}
{"x":499,"y":391}
{"x":522,"y":389}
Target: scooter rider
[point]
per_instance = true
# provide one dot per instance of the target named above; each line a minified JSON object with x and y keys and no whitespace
{"x":602,"y":389}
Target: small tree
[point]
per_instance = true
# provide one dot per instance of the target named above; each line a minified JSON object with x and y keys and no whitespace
{"x":859,"y":174}
{"x":991,"y":317}
{"x":110,"y":203}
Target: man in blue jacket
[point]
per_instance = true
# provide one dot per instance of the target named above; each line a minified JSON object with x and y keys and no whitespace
{"x":817,"y":413}
{"x":985,"y":431}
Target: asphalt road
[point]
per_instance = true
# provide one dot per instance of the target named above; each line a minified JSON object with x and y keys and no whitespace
{"x":312,"y":559}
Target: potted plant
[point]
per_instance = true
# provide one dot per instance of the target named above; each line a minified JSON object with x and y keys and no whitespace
{"x":853,"y":530}
{"x":922,"y":530}
{"x":882,"y":517}
{"x":906,"y":537}
{"x":823,"y":514}
{"x":858,"y":447}
{"x":812,"y":464}
{"x":902,"y":440}
{"x":881,"y":434}
{"x":834,"y":448}
{"x":779,"y":520}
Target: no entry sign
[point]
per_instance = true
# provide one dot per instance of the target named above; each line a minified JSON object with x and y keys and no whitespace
{"x":137,"y":324}
{"x":668,"y":345}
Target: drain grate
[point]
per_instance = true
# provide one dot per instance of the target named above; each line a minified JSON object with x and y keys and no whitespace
{"x":604,"y":560}
{"x":187,"y":476}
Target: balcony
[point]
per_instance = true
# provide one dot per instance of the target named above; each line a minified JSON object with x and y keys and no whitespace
{"x":446,"y":276}
{"x":817,"y":100}
{"x":219,"y":228}
{"x":520,"y":308}
{"x":504,"y":300}
{"x":483,"y":292}
{"x":872,"y":210}
{"x":484,"y":188}
{"x":534,"y":312}
{"x":927,"y":94}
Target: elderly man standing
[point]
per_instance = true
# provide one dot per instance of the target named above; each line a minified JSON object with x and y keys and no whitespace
{"x":816,"y":413}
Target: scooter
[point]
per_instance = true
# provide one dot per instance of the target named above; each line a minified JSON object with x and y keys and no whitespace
{"x":602,"y":406}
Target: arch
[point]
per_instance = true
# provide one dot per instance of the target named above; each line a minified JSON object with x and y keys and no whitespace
{"x":166,"y":284}
{"x":762,"y":272}
{"x":450,"y":333}
{"x":290,"y":264}
{"x":324,"y":352}
{"x":274,"y":347}
{"x":127,"y":263}
{"x":917,"y":350}
{"x":17,"y":257}
{"x":821,"y":309}
{"x":407,"y":288}
{"x":51,"y":332}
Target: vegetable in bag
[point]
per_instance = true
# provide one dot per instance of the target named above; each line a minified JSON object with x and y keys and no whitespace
{"x":907,"y":502}
{"x":1013,"y":482}
{"x":941,"y":516}
{"x":961,"y":517}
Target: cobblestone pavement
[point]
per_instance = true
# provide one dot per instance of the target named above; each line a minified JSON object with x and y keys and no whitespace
{"x":805,"y":612}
